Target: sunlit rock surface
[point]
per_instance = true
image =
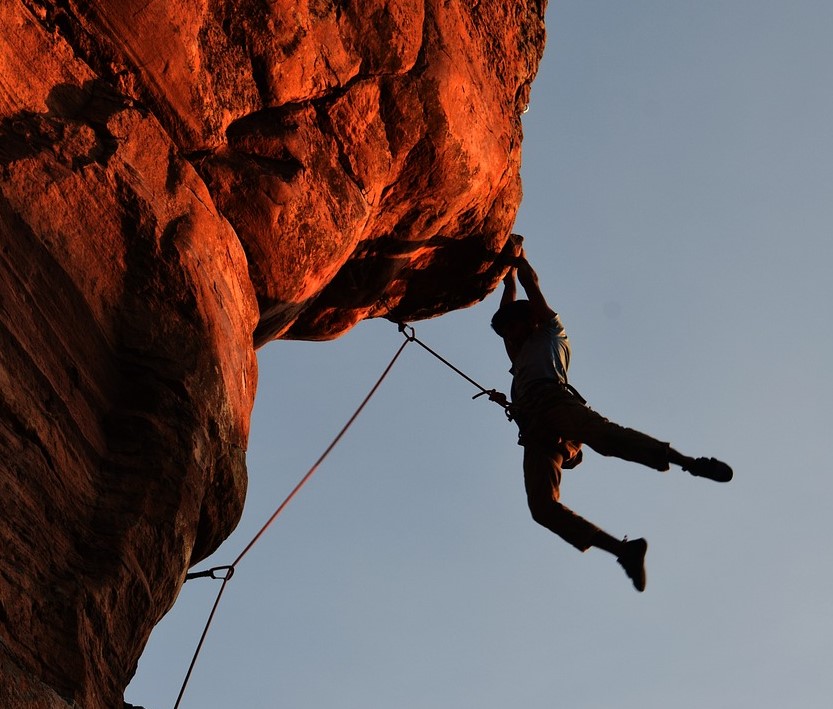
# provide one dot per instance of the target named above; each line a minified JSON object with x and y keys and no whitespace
{"x":181,"y":182}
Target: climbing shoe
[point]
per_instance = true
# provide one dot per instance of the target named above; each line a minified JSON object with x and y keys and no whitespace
{"x":710,"y":468}
{"x":632,"y":560}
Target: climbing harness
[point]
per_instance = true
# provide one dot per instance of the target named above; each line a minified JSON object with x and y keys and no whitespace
{"x":224,"y":573}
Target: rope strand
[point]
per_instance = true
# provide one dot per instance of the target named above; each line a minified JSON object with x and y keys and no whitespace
{"x":226,"y":572}
{"x":493,"y":394}
{"x":321,"y":458}
{"x":230,"y":568}
{"x":200,"y":643}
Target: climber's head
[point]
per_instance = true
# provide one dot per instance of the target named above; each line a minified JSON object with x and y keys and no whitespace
{"x":514,"y":320}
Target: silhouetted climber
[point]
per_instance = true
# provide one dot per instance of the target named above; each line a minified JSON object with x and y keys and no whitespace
{"x":554,"y":421}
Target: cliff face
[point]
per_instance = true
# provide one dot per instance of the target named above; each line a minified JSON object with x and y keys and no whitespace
{"x":181,"y":182}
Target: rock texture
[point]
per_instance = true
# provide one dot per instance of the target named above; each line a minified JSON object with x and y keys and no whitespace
{"x":181,"y":182}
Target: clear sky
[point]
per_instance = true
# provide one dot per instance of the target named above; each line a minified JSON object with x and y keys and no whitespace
{"x":678,"y":180}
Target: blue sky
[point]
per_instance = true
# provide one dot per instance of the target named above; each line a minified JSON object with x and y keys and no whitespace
{"x":678,"y":175}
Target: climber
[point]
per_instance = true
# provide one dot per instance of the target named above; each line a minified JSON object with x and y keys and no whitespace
{"x":554,"y":421}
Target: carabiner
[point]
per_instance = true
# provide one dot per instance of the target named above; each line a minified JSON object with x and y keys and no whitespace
{"x":403,"y":328}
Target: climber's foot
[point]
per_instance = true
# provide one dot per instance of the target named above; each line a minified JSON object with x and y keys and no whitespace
{"x":632,"y":560}
{"x":710,"y":468}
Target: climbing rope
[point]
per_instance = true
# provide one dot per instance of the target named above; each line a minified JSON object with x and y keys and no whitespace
{"x":225,"y":572}
{"x":493,"y":394}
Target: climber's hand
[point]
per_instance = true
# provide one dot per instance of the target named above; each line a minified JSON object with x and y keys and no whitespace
{"x":517,"y":242}
{"x":498,"y":398}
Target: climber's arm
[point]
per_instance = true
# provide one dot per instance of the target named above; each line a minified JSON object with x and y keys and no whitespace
{"x":510,"y":289}
{"x":529,"y":281}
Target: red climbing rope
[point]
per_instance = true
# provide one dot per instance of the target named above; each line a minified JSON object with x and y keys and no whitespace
{"x":215,"y":572}
{"x":225,"y":573}
{"x":322,"y":456}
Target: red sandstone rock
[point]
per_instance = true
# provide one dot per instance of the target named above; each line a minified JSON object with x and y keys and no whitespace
{"x":181,"y":182}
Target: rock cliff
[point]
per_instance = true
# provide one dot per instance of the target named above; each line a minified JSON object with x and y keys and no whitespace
{"x":181,"y":182}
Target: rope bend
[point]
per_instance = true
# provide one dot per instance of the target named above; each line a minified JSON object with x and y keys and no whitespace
{"x":494,"y":395}
{"x":225,"y":573}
